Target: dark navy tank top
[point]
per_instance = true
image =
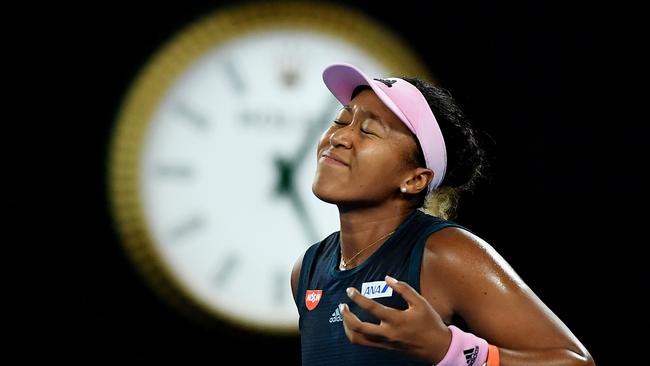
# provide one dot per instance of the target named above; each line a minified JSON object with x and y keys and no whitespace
{"x":322,"y":288}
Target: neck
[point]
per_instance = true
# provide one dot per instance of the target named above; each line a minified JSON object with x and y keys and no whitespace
{"x":362,"y":226}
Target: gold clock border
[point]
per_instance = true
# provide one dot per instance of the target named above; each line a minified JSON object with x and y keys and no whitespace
{"x":158,"y":75}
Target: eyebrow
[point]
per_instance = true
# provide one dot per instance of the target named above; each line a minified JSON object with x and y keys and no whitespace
{"x":348,"y":108}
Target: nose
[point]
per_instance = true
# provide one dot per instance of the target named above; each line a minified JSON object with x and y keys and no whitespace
{"x":342,"y":137}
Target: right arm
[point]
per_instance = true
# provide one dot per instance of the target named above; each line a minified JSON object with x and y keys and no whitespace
{"x":295,"y":275}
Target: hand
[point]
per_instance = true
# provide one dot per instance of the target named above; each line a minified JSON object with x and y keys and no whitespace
{"x":418,"y":331}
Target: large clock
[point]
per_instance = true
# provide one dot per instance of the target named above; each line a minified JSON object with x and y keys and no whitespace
{"x":214,"y":151}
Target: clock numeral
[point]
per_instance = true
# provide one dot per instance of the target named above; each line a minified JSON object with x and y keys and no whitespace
{"x":174,"y":171}
{"x":281,"y":287}
{"x":226,"y":269}
{"x":235,"y":78}
{"x":188,"y":226}
{"x":191,"y":115}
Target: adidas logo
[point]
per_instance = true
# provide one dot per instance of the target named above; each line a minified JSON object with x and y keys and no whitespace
{"x":470,"y":355}
{"x":336,"y":316}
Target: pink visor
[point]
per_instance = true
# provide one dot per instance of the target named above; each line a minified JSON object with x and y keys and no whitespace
{"x":406,"y":101}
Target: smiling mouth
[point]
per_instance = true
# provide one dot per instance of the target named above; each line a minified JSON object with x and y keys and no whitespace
{"x":331,"y":161}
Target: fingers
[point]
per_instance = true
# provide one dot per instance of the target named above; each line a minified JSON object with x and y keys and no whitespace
{"x":362,"y":333}
{"x":380,"y":311}
{"x":352,"y":322}
{"x":408,"y":293}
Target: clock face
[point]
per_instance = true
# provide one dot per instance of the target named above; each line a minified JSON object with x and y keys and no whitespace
{"x":227,"y":168}
{"x":214,"y":154}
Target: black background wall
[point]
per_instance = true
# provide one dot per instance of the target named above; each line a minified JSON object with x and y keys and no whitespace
{"x":556,"y":86}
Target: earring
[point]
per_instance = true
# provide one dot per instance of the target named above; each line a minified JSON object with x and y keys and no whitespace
{"x":403,"y":189}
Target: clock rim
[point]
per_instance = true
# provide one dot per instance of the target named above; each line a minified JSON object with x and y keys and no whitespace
{"x":170,"y":61}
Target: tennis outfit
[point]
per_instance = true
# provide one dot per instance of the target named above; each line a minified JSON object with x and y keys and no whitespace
{"x":322,"y":288}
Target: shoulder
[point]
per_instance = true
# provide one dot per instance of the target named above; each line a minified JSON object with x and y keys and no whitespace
{"x":461,"y":265}
{"x":306,"y":255}
{"x":454,"y":245}
{"x":462,"y":275}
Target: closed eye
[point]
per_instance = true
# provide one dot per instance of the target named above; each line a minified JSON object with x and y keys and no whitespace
{"x":341,"y":123}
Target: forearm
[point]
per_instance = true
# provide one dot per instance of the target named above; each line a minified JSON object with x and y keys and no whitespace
{"x":545,"y":357}
{"x":475,"y":351}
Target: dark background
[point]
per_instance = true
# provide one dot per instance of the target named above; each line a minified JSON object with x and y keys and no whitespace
{"x":556,"y":86}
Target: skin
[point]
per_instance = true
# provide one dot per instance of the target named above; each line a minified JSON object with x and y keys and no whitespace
{"x":462,"y":275}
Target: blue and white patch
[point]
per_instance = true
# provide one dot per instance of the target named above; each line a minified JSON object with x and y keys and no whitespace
{"x":375,"y":289}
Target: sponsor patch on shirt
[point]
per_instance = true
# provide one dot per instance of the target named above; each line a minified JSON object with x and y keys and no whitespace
{"x":375,"y":289}
{"x":312,"y":298}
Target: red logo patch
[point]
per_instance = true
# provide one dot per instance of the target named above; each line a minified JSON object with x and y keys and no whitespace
{"x":312,"y":297}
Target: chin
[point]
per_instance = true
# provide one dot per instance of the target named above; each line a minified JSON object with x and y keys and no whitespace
{"x":324,"y":194}
{"x":338,"y":194}
{"x":329,"y":190}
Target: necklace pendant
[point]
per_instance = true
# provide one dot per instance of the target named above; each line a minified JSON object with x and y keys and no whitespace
{"x":343,"y":264}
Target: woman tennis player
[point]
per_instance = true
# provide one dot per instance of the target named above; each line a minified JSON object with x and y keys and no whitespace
{"x":400,"y":283}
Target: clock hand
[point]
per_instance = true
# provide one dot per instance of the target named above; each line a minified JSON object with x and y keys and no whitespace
{"x":287,"y":168}
{"x":314,"y":130}
{"x":286,"y":187}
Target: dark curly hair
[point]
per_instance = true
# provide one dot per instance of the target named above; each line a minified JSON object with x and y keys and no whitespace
{"x":467,"y":162}
{"x":466,"y":159}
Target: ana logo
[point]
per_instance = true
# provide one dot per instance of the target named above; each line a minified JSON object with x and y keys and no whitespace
{"x":375,"y":289}
{"x":312,"y":297}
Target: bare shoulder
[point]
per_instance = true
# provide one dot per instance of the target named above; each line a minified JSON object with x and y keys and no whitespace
{"x":460,"y":250}
{"x":461,"y":265}
{"x":462,"y":275}
{"x":465,"y":276}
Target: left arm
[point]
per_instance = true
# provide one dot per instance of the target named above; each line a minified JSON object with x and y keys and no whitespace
{"x":463,"y":273}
